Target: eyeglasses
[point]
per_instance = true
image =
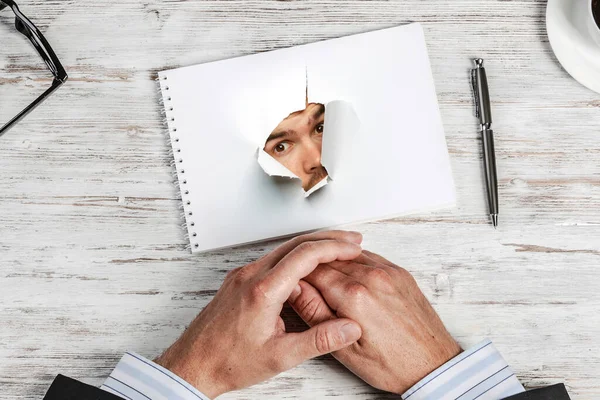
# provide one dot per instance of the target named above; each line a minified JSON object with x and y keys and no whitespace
{"x":24,"y":25}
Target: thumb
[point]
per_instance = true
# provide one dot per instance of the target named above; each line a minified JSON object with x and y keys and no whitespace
{"x":323,"y":338}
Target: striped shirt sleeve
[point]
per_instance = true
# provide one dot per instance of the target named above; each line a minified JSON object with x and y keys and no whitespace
{"x":478,"y":373}
{"x":136,"y":378}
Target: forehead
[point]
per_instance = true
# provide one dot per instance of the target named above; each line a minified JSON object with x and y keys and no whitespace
{"x":310,"y":109}
{"x":301,"y":117}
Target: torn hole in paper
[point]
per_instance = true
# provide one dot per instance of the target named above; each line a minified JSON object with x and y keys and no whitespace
{"x":310,"y":144}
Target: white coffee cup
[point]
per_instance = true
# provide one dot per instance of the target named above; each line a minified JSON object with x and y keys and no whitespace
{"x":574,"y":35}
{"x":593,"y":22}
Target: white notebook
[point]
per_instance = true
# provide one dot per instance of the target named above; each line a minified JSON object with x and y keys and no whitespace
{"x":385,"y":153}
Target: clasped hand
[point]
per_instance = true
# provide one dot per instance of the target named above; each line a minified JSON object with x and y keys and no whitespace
{"x":368,"y":312}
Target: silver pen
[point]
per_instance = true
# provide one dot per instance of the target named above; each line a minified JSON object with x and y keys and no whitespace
{"x":483,"y":111}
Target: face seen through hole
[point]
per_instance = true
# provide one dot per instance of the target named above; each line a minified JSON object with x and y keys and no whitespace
{"x":296,"y":143}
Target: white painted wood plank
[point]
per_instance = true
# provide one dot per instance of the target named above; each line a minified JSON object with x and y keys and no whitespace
{"x":93,"y":261}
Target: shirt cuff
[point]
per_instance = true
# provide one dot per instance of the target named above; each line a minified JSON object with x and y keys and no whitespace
{"x":137,"y":378}
{"x":478,"y":373}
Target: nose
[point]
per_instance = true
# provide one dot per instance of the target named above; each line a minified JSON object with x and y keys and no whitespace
{"x":312,"y":157}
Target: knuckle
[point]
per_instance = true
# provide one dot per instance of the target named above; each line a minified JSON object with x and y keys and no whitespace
{"x":380,"y":278}
{"x":377,"y":274}
{"x":357,"y":293}
{"x":326,"y":341}
{"x":257,"y":292}
{"x":240,"y":275}
{"x":294,"y":242}
{"x":309,"y":309}
{"x":233,"y":273}
{"x":406,"y":276}
{"x":277,"y":364}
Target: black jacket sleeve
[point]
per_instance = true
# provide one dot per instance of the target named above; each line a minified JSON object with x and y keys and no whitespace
{"x":65,"y":388}
{"x":554,"y":392}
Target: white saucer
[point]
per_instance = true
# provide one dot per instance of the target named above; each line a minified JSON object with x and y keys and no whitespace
{"x":568,"y":26}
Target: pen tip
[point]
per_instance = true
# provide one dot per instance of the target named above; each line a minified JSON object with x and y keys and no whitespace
{"x":495,"y":220}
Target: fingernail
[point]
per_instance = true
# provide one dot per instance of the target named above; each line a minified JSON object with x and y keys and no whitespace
{"x":350,"y":333}
{"x":296,"y":292}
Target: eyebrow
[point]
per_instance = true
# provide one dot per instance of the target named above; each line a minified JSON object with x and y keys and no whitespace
{"x":317,"y":113}
{"x":290,"y":132}
{"x":281,"y":134}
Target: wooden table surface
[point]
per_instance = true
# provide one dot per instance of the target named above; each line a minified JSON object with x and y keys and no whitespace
{"x":93,"y":259}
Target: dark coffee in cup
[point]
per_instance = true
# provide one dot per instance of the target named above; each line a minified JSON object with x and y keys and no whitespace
{"x":596,"y":11}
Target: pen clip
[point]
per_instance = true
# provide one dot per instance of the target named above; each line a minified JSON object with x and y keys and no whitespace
{"x":475,"y":91}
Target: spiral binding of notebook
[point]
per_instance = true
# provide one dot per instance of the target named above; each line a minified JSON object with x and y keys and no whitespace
{"x":168,"y":113}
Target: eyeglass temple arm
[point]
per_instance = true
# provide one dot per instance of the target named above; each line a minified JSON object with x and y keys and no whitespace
{"x":55,"y":85}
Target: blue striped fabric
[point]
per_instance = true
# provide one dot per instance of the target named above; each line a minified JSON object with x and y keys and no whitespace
{"x":478,"y":373}
{"x":136,"y":378}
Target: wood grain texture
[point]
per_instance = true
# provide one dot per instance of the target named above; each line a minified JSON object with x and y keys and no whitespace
{"x":93,"y":260}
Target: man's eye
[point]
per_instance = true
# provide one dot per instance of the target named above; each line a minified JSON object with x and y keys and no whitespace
{"x":319,"y":128}
{"x":281,"y":147}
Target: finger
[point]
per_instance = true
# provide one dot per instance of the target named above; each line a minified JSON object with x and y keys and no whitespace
{"x":310,"y":305}
{"x":276,"y":255}
{"x":283,"y":278}
{"x":380,"y":259}
{"x":366,"y":259}
{"x":364,"y":269}
{"x":355,"y":268}
{"x":324,"y":338}
{"x":331,"y":283}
